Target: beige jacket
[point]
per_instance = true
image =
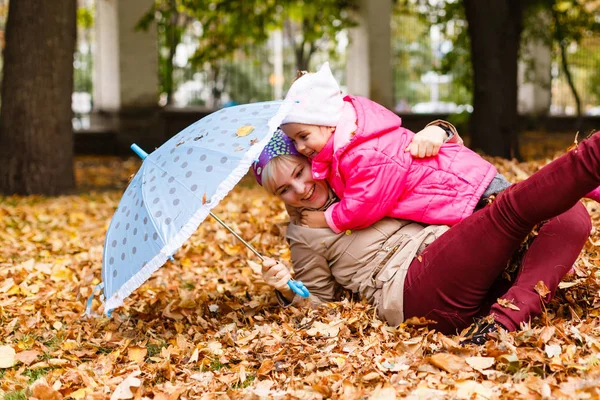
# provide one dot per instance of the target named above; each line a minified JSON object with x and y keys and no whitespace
{"x":371,"y":261}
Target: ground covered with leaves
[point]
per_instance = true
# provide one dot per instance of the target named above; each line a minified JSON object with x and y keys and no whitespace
{"x":206,"y":325}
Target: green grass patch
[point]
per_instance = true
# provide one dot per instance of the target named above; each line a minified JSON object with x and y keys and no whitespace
{"x":215,"y":365}
{"x":16,"y":395}
{"x":154,"y":349}
{"x":35,"y":374}
{"x":245,"y":384}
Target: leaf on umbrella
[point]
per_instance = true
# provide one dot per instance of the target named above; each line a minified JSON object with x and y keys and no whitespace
{"x":253,"y":142}
{"x":506,"y":303}
{"x":7,"y":356}
{"x":245,"y":130}
{"x":541,"y":289}
{"x":123,"y":390}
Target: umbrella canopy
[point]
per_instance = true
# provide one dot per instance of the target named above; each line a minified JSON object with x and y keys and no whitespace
{"x":175,"y":189}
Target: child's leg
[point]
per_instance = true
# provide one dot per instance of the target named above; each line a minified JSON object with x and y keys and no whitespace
{"x":550,"y":256}
{"x":452,"y":277}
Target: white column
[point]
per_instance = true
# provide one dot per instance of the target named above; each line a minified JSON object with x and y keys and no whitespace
{"x":369,"y":67}
{"x":535,"y":78}
{"x":126,"y":60}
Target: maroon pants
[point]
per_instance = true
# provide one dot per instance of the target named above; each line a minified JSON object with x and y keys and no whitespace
{"x":455,"y":279}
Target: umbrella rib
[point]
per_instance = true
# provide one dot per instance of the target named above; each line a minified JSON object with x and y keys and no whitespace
{"x":248,"y":245}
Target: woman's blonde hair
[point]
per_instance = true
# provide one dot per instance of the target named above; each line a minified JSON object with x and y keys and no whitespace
{"x":276,"y":164}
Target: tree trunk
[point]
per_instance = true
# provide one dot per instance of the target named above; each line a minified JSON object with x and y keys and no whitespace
{"x":495,"y":28}
{"x":36,"y":134}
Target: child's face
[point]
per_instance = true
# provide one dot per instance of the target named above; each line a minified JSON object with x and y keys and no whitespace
{"x":308,"y":139}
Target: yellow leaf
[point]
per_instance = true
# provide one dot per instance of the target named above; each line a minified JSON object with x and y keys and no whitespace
{"x":508,"y":304}
{"x":245,"y":130}
{"x":80,"y":394}
{"x":7,"y":357}
{"x":448,"y":362}
{"x":137,"y":354}
{"x":541,"y":289}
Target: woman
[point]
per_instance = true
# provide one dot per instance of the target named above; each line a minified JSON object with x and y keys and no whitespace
{"x":446,"y":275}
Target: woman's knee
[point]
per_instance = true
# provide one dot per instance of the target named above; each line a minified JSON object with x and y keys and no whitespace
{"x":576,"y":222}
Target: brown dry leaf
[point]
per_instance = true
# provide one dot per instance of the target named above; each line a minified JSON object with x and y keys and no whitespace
{"x":245,"y":130}
{"x":42,"y":391}
{"x":506,"y":303}
{"x":27,"y":357}
{"x":468,"y":389}
{"x":449,"y":362}
{"x":480,"y":363}
{"x":124,"y":389}
{"x":7,"y":357}
{"x":541,"y":289}
{"x":418,"y":321}
{"x":209,"y":322}
{"x":137,"y":354}
{"x":265,"y":367}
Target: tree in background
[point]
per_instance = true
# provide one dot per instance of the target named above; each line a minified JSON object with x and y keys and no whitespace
{"x":220,"y":28}
{"x":313,"y":25}
{"x":36,"y":136}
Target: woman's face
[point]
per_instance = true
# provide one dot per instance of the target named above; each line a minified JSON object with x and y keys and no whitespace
{"x":294,"y":184}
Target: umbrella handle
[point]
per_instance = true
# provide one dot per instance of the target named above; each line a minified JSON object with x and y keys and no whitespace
{"x":298,"y":288}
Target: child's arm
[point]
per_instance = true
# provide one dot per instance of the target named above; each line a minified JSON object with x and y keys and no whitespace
{"x":373,"y":190}
{"x":313,"y":219}
{"x":427,"y":142}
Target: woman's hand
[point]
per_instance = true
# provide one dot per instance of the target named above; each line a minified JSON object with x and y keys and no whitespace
{"x":427,"y":142}
{"x":276,"y":275}
{"x":313,"y":219}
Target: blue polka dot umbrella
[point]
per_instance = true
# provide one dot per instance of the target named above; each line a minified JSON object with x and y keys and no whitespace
{"x":175,"y":189}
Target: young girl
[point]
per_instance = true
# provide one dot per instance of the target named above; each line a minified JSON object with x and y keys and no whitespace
{"x":364,"y":153}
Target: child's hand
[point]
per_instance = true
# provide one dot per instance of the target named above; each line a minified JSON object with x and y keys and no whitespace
{"x":427,"y":143}
{"x":313,"y":219}
{"x":276,"y":274}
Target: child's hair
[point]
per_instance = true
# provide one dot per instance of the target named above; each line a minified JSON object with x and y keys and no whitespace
{"x":276,"y":164}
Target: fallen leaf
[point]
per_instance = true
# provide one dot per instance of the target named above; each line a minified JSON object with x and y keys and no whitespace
{"x":245,"y":130}
{"x":265,"y":367}
{"x":506,"y":303}
{"x":371,"y":376}
{"x":419,"y":321}
{"x":203,"y":377}
{"x":137,"y":354}
{"x":327,"y":330}
{"x":467,"y":389}
{"x":123,"y":390}
{"x":263,"y":388}
{"x":541,"y":289}
{"x":449,"y":362}
{"x":552,"y":350}
{"x":480,"y":363}
{"x":27,"y":357}
{"x":7,"y":357}
{"x":42,"y":391}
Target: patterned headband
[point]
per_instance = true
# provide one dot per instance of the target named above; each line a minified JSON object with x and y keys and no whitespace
{"x":279,"y":145}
